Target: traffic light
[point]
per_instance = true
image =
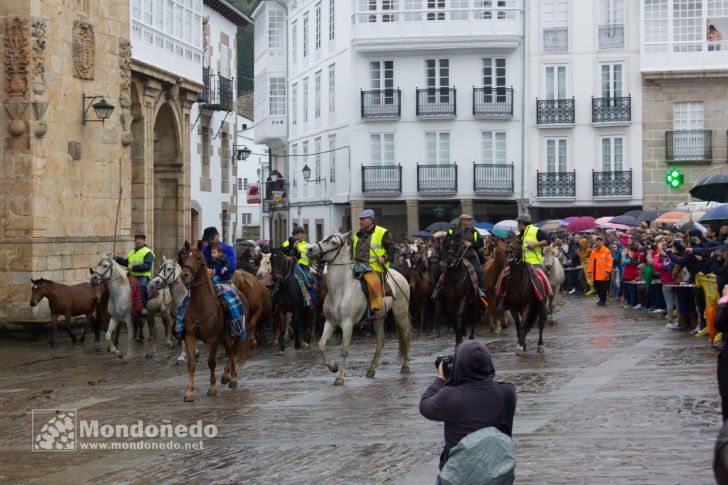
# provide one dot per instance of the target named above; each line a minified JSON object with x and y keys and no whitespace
{"x":674,"y":179}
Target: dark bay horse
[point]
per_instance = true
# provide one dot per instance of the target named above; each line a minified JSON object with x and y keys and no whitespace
{"x":69,"y":301}
{"x":287,"y":299}
{"x":204,"y":319}
{"x":521,"y":300}
{"x":421,"y":286}
{"x":460,"y":300}
{"x":495,"y":317}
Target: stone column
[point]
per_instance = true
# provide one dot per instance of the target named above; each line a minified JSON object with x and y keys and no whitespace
{"x":356,"y":207}
{"x":413,"y":216}
{"x":466,"y":206}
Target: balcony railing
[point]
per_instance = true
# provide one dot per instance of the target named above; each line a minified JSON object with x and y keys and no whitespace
{"x":612,"y":184}
{"x":555,"y":111}
{"x":492,"y":178}
{"x":611,"y":36}
{"x":556,"y":39}
{"x":507,"y":10}
{"x":205,"y":94}
{"x":612,"y":110}
{"x":493,"y":102}
{"x":217,"y":92}
{"x":437,"y":178}
{"x":436,"y":102}
{"x":276,"y":191}
{"x":556,"y":184}
{"x":689,"y":146}
{"x":381,"y":178}
{"x":381,"y":104}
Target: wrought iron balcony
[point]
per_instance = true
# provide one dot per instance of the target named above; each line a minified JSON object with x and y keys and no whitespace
{"x":611,"y":36}
{"x":493,"y":178}
{"x":381,"y":178}
{"x":493,"y":102}
{"x":217,"y":94}
{"x":556,"y":39}
{"x":276,"y":191}
{"x":612,"y":110}
{"x":689,"y":146}
{"x":556,"y":184}
{"x":381,"y":104}
{"x":436,"y":102}
{"x":555,"y":111}
{"x":612,"y":184}
{"x":437,"y":178}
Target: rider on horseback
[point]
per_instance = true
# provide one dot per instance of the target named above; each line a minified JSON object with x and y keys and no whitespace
{"x":534,"y":240}
{"x":295,"y":247}
{"x":372,"y":251}
{"x":474,"y":243}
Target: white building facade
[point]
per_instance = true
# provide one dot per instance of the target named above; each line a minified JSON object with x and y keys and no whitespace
{"x":250,"y":186}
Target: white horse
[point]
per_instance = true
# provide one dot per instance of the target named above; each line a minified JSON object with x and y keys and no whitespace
{"x":346,"y":305}
{"x":117,"y":283}
{"x":555,"y":271}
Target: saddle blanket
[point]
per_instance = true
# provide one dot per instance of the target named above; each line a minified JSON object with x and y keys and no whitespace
{"x":232,"y":306}
{"x":539,"y":281}
{"x":137,"y":305}
{"x":471,"y":272}
{"x":304,"y":286}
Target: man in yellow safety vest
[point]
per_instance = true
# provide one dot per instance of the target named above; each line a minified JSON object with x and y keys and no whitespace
{"x":533,"y":239}
{"x":296,"y":248}
{"x":139,"y":261}
{"x":373,"y":248}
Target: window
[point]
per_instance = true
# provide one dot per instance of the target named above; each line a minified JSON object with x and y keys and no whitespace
{"x":148,"y":12}
{"x":332,"y":20}
{"x":687,"y":25}
{"x":494,"y":79}
{"x":556,"y":155}
{"x":688,"y":139}
{"x":555,"y":13}
{"x":438,"y":80}
{"x":305,"y":100}
{"x":240,"y":184}
{"x":332,"y":91}
{"x":435,"y":10}
{"x":294,"y":41}
{"x":555,"y":82}
{"x":459,"y":14}
{"x":275,"y":29}
{"x":687,"y":116}
{"x":294,"y":104}
{"x":318,"y":26}
{"x":388,"y":5}
{"x":317,"y":158}
{"x":717,"y":8}
{"x":656,"y":26}
{"x":332,"y":158}
{"x":305,"y":162}
{"x":246,"y":218}
{"x":305,"y":35}
{"x":381,"y":76}
{"x":295,"y":163}
{"x":611,"y":79}
{"x":317,"y":107}
{"x":382,"y":148}
{"x":159,"y":15}
{"x":612,"y":154}
{"x":493,"y":147}
{"x":224,"y":61}
{"x":611,"y":12}
{"x":413,"y":5}
{"x":277,"y":99}
{"x":438,"y":148}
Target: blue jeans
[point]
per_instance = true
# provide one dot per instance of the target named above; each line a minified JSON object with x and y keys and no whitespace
{"x":143,"y":282}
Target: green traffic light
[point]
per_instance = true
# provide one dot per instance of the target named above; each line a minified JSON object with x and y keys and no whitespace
{"x":674,"y":178}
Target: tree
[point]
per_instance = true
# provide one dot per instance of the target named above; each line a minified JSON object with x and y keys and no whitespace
{"x":245,"y":41}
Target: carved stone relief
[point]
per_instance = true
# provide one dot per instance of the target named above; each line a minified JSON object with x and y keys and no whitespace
{"x":16,"y":74}
{"x":38,"y":44}
{"x":125,"y":89}
{"x":84,"y":50}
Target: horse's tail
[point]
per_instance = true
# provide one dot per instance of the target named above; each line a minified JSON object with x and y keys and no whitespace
{"x":404,"y":333}
{"x":531,"y":316}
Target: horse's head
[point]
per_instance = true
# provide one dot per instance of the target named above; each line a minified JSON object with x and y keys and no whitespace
{"x":279,"y":264}
{"x":328,"y":249}
{"x":264,"y":270}
{"x":548,"y":258}
{"x":169,"y":273}
{"x":103,"y":271}
{"x":39,"y":291}
{"x":183,"y":252}
{"x":193,"y":267}
{"x":514,"y":252}
{"x":453,"y":249}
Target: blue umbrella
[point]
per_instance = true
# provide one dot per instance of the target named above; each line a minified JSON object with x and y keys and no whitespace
{"x":717,"y":216}
{"x":501,"y":233}
{"x":421,"y":234}
{"x":483,"y":225}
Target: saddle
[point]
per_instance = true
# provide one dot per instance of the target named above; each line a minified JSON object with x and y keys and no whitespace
{"x":365,"y":288}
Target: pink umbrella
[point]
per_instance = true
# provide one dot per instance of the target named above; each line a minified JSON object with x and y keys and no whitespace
{"x":569,"y":219}
{"x":581,"y":224}
{"x":605,"y":223}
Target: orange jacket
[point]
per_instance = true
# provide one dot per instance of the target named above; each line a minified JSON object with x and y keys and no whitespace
{"x":600,"y":263}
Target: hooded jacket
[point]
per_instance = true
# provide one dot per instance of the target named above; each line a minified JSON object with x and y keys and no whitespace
{"x":471,"y":400}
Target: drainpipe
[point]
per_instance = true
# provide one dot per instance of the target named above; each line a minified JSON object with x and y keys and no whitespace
{"x":288,"y":103}
{"x":525,"y":64}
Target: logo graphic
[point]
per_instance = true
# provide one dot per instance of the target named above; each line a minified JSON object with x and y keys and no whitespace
{"x":54,"y":429}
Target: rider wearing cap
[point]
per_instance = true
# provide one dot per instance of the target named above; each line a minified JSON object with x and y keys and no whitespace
{"x":139,"y":261}
{"x":533,"y":239}
{"x":471,"y":239}
{"x":296,"y":248}
{"x":373,"y":248}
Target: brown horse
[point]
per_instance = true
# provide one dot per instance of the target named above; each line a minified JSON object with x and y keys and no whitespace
{"x":258,"y":299}
{"x":492,"y":269}
{"x":67,"y":300}
{"x":204,"y":319}
{"x":421,"y":286}
{"x":460,"y":300}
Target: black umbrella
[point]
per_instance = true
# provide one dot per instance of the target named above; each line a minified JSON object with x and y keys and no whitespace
{"x":632,"y":213}
{"x":651,"y":215}
{"x":714,"y":188}
{"x":421,"y":234}
{"x":717,"y":216}
{"x":625,"y":220}
{"x":438,"y":226}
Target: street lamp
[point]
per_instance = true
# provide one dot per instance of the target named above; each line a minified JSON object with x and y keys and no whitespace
{"x":307,"y":175}
{"x":243,"y":153}
{"x":102,"y":108}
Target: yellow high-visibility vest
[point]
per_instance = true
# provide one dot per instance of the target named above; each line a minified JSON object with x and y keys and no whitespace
{"x":531,"y":256}
{"x":136,"y":256}
{"x":302,"y":247}
{"x":376,"y":249}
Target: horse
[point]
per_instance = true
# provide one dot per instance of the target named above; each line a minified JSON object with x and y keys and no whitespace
{"x":168,"y":280}
{"x":256,"y":294}
{"x":117,"y":283}
{"x":555,"y":271}
{"x":288,"y":299}
{"x":67,"y":300}
{"x":521,"y":300}
{"x":461,"y":300}
{"x":346,"y":305}
{"x":204,"y":319}
{"x":491,"y":270}
{"x":421,"y":285}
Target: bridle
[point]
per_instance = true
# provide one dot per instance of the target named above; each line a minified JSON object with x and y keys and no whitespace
{"x":327,"y":251}
{"x":275,"y":272}
{"x":102,"y":276}
{"x":165,"y":278}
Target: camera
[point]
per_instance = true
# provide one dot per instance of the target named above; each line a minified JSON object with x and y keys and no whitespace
{"x":447,"y":361}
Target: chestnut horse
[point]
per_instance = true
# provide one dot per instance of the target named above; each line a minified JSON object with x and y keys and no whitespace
{"x":204,"y":319}
{"x":421,"y":286}
{"x":67,"y":300}
{"x":492,"y":270}
{"x":256,"y":295}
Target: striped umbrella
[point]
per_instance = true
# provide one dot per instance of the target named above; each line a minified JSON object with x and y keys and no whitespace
{"x":672,"y":217}
{"x":553,"y":225}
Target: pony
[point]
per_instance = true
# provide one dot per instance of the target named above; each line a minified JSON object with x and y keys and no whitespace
{"x":460,"y":299}
{"x":346,"y":305}
{"x":204,"y":319}
{"x":67,"y":300}
{"x":492,"y":269}
{"x":555,"y":271}
{"x":521,"y":301}
{"x":117,"y":284}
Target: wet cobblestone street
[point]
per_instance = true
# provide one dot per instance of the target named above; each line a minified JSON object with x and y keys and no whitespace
{"x":616,"y":398}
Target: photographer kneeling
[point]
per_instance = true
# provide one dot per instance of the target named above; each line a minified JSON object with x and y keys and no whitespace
{"x":470,"y":400}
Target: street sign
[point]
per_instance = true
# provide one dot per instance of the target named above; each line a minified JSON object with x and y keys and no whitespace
{"x":254,"y":194}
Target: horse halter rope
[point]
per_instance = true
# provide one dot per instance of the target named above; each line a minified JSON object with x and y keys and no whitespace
{"x":165,"y":279}
{"x":102,"y":275}
{"x":327,"y":251}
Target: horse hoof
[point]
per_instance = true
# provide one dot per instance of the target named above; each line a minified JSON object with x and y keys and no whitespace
{"x":370,"y":373}
{"x":520,"y":351}
{"x":212,"y":391}
{"x":119,"y":354}
{"x":304,"y":345}
{"x":224,"y":380}
{"x":334,"y":368}
{"x":539,"y":349}
{"x":170,"y":345}
{"x":233,"y":384}
{"x":405,"y":369}
{"x":149,"y":355}
{"x":280,"y":352}
{"x":189,"y":397}
{"x":339,"y":381}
